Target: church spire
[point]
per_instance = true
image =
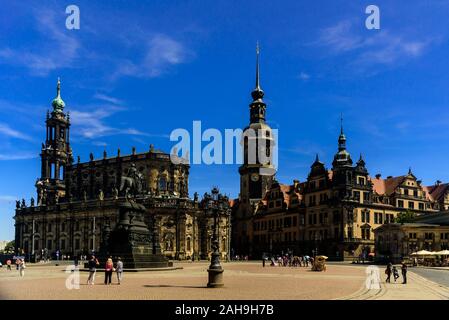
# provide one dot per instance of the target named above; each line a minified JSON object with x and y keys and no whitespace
{"x":342,"y":137}
{"x":257,"y":93}
{"x":257,"y":66}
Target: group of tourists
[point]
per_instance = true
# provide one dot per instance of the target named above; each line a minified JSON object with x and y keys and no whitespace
{"x":287,"y":260}
{"x":108,"y":270}
{"x":392,"y":270}
{"x":20,"y":266}
{"x":239,"y":258}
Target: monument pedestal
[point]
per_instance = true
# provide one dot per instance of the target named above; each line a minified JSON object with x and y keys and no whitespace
{"x":133,"y":242}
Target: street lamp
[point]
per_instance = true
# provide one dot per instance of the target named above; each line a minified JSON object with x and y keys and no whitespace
{"x":215,"y":204}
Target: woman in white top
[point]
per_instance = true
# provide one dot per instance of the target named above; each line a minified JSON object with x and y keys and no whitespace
{"x":22,"y":267}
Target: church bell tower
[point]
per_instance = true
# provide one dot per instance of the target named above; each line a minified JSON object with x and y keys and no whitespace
{"x":56,"y":153}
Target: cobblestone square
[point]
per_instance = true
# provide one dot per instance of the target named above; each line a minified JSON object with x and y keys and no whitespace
{"x":243,"y":280}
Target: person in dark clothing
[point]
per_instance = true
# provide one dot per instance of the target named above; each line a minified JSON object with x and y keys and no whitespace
{"x":388,"y":271}
{"x":395,"y":273}
{"x":93,"y":263}
{"x":404,"y":273}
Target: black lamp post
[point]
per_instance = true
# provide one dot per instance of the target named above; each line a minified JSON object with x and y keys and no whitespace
{"x":214,"y":205}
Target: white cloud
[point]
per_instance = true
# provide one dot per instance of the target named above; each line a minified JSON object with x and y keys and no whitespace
{"x":92,"y":125}
{"x":381,"y":47}
{"x":340,"y":38}
{"x":107,"y":98}
{"x":56,"y":50}
{"x":10,"y":132}
{"x":304,"y":76}
{"x":161,"y":53}
{"x":18,"y":156}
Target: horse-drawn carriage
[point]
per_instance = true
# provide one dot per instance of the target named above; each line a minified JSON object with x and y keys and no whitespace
{"x":319,"y":264}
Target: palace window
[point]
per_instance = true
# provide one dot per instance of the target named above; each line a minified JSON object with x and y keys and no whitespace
{"x":366,"y":233}
{"x":162,"y":184}
{"x":365,"y":216}
{"x":63,"y":244}
{"x":421,"y":206}
{"x":356,"y":195}
{"x":411,"y":205}
{"x":77,"y":244}
{"x":49,"y":244}
{"x":366,"y":196}
{"x":428,"y":235}
{"x":361,"y":180}
{"x":378,"y":218}
{"x":400,"y":204}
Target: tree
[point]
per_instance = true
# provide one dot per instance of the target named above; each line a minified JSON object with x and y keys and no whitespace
{"x":405,"y":217}
{"x":10,"y":246}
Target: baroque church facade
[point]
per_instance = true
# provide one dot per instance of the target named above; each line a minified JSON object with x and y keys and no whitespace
{"x":333,"y":212}
{"x":77,"y":202}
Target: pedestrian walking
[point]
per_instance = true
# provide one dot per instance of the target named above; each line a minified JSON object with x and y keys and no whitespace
{"x":119,"y":269}
{"x":395,"y":273}
{"x":8,"y":264}
{"x":263,"y":262}
{"x":22,"y":268}
{"x":108,"y":269}
{"x":404,"y":272}
{"x":93,"y":263}
{"x":388,"y":271}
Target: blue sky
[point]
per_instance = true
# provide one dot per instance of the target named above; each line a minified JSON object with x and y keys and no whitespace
{"x":136,"y":70}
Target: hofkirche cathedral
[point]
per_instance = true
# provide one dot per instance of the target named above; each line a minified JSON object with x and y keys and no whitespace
{"x":334,"y":211}
{"x":78,"y":202}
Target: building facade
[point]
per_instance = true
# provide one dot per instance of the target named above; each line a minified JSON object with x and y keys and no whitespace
{"x":333,"y":212}
{"x":395,"y":242}
{"x":78,"y":202}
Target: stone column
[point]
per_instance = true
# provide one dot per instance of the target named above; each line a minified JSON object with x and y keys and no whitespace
{"x":156,"y":228}
{"x":181,"y":237}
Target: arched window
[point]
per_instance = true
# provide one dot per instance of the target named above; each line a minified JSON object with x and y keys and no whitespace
{"x":162,"y":183}
{"x":189,"y":244}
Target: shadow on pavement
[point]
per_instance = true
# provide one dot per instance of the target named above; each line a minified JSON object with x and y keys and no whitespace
{"x":172,"y":286}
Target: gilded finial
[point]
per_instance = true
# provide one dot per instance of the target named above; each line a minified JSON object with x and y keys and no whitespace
{"x":58,"y":88}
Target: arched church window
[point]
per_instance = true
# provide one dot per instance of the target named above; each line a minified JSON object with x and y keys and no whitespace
{"x":162,"y":183}
{"x":61,"y":172}
{"x":188,"y":244}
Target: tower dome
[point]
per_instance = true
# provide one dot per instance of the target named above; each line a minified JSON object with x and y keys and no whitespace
{"x":57,"y":103}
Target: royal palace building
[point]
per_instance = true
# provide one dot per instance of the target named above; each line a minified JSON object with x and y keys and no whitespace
{"x":333,"y":212}
{"x":77,"y":202}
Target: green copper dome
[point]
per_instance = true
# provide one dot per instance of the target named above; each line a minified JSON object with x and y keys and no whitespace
{"x":57,"y":103}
